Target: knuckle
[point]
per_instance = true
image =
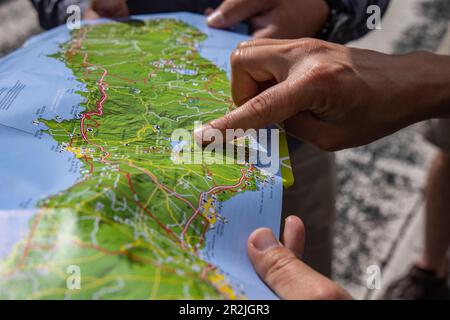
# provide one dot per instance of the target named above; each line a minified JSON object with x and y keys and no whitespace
{"x":244,"y":44}
{"x":310,"y":45}
{"x":225,"y":122}
{"x":325,"y":143}
{"x":324,"y":72}
{"x":307,"y":42}
{"x":294,"y":86}
{"x":239,"y":55}
{"x":239,"y":100}
{"x":327,"y":80}
{"x":261,"y":107}
{"x":280,"y":266}
{"x":325,"y":291}
{"x":234,"y":57}
{"x":248,"y":43}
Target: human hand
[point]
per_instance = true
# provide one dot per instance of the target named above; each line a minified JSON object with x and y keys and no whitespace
{"x":107,"y":9}
{"x":280,"y":266}
{"x":286,"y":19}
{"x":330,"y":95}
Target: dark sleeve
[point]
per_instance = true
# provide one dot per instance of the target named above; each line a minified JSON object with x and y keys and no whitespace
{"x":355,"y":24}
{"x":52,"y":13}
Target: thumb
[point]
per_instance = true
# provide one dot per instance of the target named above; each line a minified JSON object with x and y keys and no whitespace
{"x":231,"y":12}
{"x":286,"y":275}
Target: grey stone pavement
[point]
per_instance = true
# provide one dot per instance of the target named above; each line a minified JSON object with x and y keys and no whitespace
{"x":380,"y":199}
{"x":18,"y":21}
{"x":406,"y":27}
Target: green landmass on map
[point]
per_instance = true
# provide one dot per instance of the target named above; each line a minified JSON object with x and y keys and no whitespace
{"x":135,"y":222}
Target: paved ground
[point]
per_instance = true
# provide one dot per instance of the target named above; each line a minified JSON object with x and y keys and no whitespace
{"x":381,"y":185}
{"x":17,"y":23}
{"x":396,"y":166}
{"x":410,"y":244}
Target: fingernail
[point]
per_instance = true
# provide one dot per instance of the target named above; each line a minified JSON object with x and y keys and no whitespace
{"x":244,"y":43}
{"x":199,"y":133}
{"x":265,"y":240}
{"x":289,"y":219}
{"x":216,"y":19}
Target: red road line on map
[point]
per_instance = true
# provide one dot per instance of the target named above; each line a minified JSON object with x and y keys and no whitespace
{"x":204,"y":231}
{"x":165,"y":228}
{"x":91,"y":165}
{"x":167,"y":189}
{"x":130,"y":183}
{"x":150,"y":75}
{"x":30,"y":238}
{"x":99,"y":111}
{"x":43,"y":246}
{"x":221,"y":188}
{"x":170,"y":232}
{"x":76,"y":46}
{"x":122,"y":253}
{"x":123,"y":78}
{"x":97,"y":247}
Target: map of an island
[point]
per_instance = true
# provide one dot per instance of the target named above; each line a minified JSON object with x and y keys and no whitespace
{"x":136,"y":225}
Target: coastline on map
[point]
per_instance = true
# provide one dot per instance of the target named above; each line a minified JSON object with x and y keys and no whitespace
{"x":226,"y":243}
{"x":40,"y":168}
{"x":40,"y":159}
{"x":35,"y":167}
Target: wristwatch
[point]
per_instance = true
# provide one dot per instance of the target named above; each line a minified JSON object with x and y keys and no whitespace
{"x":338,"y":17}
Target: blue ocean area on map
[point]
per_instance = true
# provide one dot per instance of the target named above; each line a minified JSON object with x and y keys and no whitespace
{"x":33,"y":167}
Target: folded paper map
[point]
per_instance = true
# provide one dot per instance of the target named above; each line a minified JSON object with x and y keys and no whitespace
{"x":91,"y":204}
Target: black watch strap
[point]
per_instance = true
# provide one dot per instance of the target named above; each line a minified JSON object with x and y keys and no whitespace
{"x":338,"y":17}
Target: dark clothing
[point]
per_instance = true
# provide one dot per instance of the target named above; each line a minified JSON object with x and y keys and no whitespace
{"x":164,"y":6}
{"x":53,"y":12}
{"x":357,"y":24}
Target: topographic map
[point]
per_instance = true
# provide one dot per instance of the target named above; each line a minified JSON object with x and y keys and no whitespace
{"x":88,"y":187}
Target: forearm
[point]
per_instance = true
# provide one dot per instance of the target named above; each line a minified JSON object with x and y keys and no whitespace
{"x":440,"y":86}
{"x":427,"y":85}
